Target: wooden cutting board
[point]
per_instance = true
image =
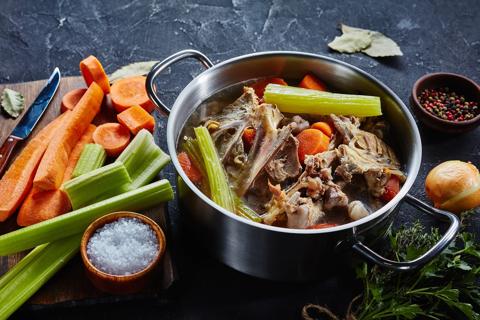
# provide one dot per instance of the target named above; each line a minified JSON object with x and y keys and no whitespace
{"x":71,"y":284}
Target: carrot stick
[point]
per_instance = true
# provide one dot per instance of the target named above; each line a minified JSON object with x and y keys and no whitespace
{"x":312,"y":82}
{"x":43,"y":205}
{"x":17,"y":181}
{"x":50,"y":172}
{"x":92,"y":71}
{"x":71,"y":98}
{"x":113,"y":137}
{"x":135,"y":119}
{"x":324,"y":127}
{"x":130,"y":92}
{"x":192,"y":172}
{"x":311,"y":141}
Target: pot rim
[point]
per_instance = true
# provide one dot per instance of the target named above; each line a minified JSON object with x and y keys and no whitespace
{"x":171,"y":142}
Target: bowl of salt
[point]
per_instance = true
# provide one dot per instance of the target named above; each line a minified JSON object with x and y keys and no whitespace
{"x":121,"y":250}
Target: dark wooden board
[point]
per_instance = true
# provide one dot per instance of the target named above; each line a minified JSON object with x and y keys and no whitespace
{"x":71,"y":284}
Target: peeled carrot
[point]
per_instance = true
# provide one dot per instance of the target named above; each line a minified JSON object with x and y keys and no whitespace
{"x":135,"y":119}
{"x":311,"y":141}
{"x":312,"y":82}
{"x":248,"y":136}
{"x":71,"y":98}
{"x":50,"y":172}
{"x":43,"y":205}
{"x":92,"y":71}
{"x":259,"y":86}
{"x":191,"y":171}
{"x":130,"y":92}
{"x":17,"y":181}
{"x":324,"y":127}
{"x":113,"y":137}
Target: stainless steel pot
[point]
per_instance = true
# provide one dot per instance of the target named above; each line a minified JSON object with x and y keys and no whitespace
{"x":290,"y":254}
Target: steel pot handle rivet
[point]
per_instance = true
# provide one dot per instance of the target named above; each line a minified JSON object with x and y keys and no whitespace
{"x":448,"y":237}
{"x":162,"y":65}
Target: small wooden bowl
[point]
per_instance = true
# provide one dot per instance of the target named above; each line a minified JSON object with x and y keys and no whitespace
{"x":460,"y":84}
{"x":121,"y":284}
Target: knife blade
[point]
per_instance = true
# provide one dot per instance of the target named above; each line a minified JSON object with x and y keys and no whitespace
{"x":30,"y":119}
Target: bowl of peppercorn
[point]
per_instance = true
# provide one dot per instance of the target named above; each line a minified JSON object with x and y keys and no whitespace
{"x":447,"y":102}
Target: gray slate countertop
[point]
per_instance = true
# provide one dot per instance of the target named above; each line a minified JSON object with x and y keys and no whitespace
{"x":36,"y":36}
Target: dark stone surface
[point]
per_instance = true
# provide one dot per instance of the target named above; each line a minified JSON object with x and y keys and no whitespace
{"x":36,"y":36}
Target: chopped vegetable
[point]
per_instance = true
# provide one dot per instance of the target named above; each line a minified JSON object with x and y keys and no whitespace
{"x":93,"y":157}
{"x":76,"y":221}
{"x":391,"y":188}
{"x":76,"y":153}
{"x":13,"y":102}
{"x":244,"y":211}
{"x":41,"y":205}
{"x":36,"y":273}
{"x":322,"y":226}
{"x":98,"y":184}
{"x":324,"y":127}
{"x":17,"y":181}
{"x":219,"y":187}
{"x":260,"y":85}
{"x":248,"y":136}
{"x":113,"y":137}
{"x":189,"y":168}
{"x":312,"y":82}
{"x":311,"y":141}
{"x":131,"y":70}
{"x":71,"y":98}
{"x":135,"y":119}
{"x":17,"y":268}
{"x":50,"y":172}
{"x":299,"y":100}
{"x":130,"y":92}
{"x":143,"y":159}
{"x":92,"y":71}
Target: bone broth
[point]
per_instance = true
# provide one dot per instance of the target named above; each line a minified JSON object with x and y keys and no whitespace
{"x":325,"y":165}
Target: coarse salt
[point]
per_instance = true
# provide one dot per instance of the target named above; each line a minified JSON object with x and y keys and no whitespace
{"x":123,"y":247}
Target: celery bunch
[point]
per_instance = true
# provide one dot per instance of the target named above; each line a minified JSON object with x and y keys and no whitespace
{"x":143,"y":159}
{"x":299,"y":100}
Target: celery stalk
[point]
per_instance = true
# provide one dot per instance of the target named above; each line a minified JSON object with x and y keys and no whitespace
{"x":16,"y":269}
{"x":96,"y":185}
{"x":143,"y":159}
{"x":93,"y":156}
{"x":36,"y":273}
{"x":77,"y":221}
{"x":245,"y":211}
{"x":299,"y":100}
{"x":220,"y":191}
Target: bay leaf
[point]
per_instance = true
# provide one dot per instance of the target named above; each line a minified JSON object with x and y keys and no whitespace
{"x":13,"y":102}
{"x":351,"y":42}
{"x":379,"y":46}
{"x":132,"y":70}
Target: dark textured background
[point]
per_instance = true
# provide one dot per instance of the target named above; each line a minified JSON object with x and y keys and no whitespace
{"x":36,"y":36}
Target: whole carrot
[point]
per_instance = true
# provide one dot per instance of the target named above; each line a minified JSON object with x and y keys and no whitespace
{"x":50,"y":172}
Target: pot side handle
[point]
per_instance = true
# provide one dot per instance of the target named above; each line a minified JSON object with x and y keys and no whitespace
{"x":162,"y":65}
{"x":448,"y":237}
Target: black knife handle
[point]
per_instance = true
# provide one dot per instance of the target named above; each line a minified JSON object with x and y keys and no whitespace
{"x":6,"y":151}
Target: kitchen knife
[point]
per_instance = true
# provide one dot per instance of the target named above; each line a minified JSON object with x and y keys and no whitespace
{"x":30,"y":119}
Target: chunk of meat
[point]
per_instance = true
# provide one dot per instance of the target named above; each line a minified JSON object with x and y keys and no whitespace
{"x":299,"y":124}
{"x":315,"y":163}
{"x":345,"y":128}
{"x":334,"y":198}
{"x":369,"y":156}
{"x":285,"y":163}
